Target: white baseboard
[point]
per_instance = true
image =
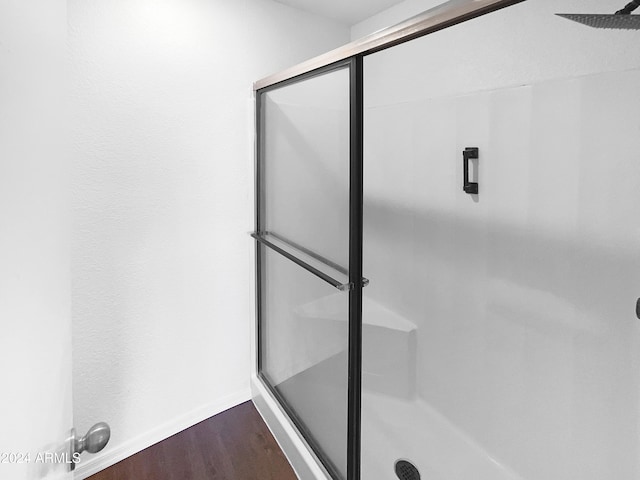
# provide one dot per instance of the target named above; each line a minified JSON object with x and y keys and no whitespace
{"x":305,"y":464}
{"x":93,"y":465}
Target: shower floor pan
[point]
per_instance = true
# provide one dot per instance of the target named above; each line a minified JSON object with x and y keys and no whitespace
{"x":412,"y":430}
{"x":396,"y":423}
{"x":392,"y":428}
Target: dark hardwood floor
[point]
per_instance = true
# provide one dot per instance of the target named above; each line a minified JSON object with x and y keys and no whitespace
{"x":234,"y":445}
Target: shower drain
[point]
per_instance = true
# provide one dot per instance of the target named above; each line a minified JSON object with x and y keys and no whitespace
{"x":406,"y":470}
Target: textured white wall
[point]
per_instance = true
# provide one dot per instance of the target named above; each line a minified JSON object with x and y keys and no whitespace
{"x":391,"y":16}
{"x":163,"y":200}
{"x":35,"y":308}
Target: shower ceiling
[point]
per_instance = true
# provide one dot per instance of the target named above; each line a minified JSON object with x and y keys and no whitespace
{"x":348,"y":12}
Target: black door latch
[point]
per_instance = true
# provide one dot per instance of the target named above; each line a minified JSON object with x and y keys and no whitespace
{"x":467,"y":154}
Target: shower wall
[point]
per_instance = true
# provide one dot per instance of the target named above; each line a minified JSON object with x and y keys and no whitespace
{"x":510,"y":313}
{"x":521,"y":44}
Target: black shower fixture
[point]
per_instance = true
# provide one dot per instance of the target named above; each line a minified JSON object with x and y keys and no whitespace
{"x":622,"y":19}
{"x":629,"y":7}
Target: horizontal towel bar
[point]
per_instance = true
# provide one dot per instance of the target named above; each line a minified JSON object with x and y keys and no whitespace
{"x":294,"y":253}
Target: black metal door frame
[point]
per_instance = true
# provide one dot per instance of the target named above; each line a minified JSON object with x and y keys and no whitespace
{"x":356,"y":170}
{"x":356,"y":142}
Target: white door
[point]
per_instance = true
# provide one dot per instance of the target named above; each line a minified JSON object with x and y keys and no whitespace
{"x":35,"y":321}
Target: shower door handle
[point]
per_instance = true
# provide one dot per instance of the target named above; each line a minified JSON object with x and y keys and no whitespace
{"x":467,"y":154}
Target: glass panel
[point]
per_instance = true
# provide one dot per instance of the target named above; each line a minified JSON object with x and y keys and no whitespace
{"x":304,"y":215}
{"x":305,"y":164}
{"x":500,"y":339}
{"x":304,"y":339}
{"x":332,"y":273}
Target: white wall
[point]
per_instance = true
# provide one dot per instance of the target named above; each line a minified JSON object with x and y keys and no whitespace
{"x":410,"y":8}
{"x":391,"y":16}
{"x":35,"y":307}
{"x":524,"y":296}
{"x":163,"y":200}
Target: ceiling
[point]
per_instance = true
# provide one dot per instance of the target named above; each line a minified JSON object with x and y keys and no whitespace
{"x":344,"y":11}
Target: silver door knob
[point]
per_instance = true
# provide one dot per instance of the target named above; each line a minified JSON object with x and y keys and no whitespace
{"x":94,"y":441}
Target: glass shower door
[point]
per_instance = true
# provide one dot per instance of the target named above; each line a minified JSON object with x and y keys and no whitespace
{"x":500,"y":337}
{"x":303,"y":255}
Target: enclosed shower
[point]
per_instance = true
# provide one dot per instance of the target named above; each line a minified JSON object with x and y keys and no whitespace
{"x":448,"y":251}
